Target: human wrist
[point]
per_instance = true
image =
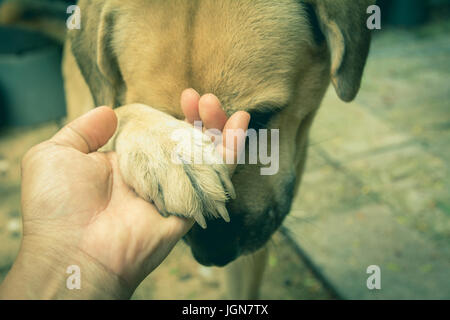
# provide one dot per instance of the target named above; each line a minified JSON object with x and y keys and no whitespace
{"x":42,"y":273}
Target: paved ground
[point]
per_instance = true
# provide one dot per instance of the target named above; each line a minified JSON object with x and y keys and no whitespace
{"x":377,"y":184}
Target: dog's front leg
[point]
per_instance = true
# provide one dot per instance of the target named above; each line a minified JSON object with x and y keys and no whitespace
{"x":158,"y":157}
{"x":244,"y":276}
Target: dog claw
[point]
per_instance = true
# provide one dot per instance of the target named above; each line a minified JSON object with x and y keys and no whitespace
{"x":200,"y":220}
{"x":231,"y":192}
{"x":228,"y":185}
{"x":223,"y":213}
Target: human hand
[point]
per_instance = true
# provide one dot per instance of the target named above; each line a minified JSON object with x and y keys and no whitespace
{"x":78,"y":211}
{"x":208,"y":110}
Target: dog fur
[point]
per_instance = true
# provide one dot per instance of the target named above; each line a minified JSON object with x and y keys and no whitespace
{"x":274,"y":59}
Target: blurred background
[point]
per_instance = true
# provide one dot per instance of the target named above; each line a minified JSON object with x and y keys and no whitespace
{"x":376,"y":190}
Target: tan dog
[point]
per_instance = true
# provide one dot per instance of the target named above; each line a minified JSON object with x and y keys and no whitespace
{"x":274,"y":59}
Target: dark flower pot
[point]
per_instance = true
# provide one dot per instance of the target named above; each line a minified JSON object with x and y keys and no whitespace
{"x":31,"y":87}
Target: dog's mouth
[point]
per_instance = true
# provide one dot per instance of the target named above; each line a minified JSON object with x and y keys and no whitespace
{"x":215,"y":260}
{"x":221,"y":242}
{"x":217,"y":245}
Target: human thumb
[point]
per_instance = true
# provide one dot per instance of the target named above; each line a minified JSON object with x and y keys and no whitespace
{"x":88,"y":132}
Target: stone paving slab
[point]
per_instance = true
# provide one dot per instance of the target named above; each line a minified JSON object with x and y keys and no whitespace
{"x":335,"y":225}
{"x":342,"y":246}
{"x":346,"y":130}
{"x":410,"y":181}
{"x":377,"y":183}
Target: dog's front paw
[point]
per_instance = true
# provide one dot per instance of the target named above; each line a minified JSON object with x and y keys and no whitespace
{"x":177,"y":168}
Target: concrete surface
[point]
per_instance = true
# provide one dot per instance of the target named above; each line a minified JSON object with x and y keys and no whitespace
{"x":377,"y":184}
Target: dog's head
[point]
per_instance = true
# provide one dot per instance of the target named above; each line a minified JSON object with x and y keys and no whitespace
{"x":271,"y":58}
